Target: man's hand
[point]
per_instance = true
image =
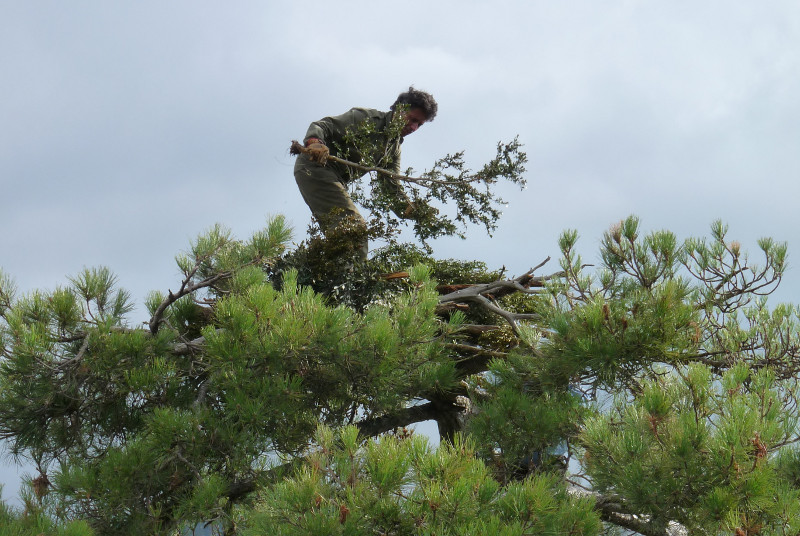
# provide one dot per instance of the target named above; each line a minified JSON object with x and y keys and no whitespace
{"x":317,"y":151}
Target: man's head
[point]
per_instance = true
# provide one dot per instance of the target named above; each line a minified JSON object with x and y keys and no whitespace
{"x":421,"y":107}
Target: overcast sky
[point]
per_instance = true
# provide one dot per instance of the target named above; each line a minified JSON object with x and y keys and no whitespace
{"x":127,"y":128}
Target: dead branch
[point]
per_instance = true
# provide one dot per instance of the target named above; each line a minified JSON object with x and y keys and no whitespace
{"x":486,"y":294}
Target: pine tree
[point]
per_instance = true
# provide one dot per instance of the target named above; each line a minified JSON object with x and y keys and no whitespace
{"x":272,"y":391}
{"x":656,"y":393}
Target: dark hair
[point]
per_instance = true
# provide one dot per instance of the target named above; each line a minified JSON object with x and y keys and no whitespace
{"x":415,"y":98}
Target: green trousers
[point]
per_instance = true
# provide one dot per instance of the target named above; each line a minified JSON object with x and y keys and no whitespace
{"x":324,"y":190}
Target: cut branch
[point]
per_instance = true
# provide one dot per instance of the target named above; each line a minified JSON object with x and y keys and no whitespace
{"x":297,"y":148}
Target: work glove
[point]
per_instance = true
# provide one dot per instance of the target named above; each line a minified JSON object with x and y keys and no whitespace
{"x":318,"y":152}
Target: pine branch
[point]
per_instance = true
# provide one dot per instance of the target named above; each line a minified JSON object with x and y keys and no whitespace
{"x":612,"y":512}
{"x":477,"y":362}
{"x":186,"y":288}
{"x":190,"y":347}
{"x":378,"y":425}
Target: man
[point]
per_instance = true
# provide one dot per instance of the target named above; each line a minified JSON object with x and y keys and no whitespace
{"x":323,"y":184}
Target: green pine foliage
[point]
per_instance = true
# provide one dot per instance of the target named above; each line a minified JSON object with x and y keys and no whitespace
{"x":697,"y":448}
{"x":400,"y":485}
{"x":38,"y":516}
{"x":520,"y":421}
{"x":270,"y":391}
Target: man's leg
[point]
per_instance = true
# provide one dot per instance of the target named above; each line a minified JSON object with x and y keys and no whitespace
{"x":323,"y":192}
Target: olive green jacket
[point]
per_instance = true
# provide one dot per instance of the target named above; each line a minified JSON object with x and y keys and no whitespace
{"x":333,"y":130}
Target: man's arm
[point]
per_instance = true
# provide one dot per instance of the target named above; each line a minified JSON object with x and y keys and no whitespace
{"x":329,"y":132}
{"x":332,"y":129}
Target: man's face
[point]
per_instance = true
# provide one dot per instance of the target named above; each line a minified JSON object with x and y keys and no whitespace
{"x":415,"y":118}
